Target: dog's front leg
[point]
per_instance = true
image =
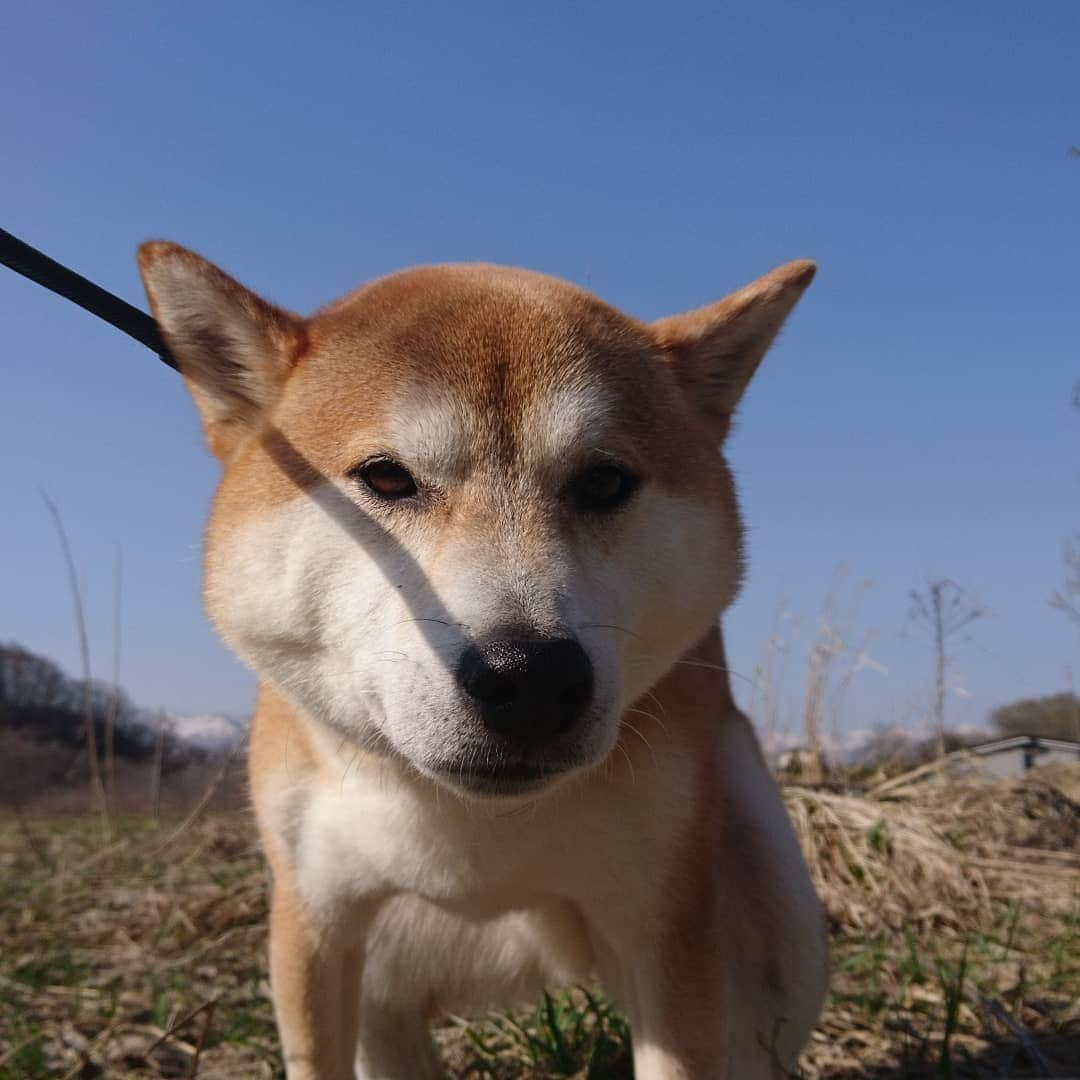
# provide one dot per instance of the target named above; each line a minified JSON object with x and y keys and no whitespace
{"x":680,"y":1040}
{"x":724,"y":993}
{"x":703,"y":1002}
{"x":315,"y":977}
{"x":676,"y":1036}
{"x":396,"y":1045}
{"x":687,"y":1028}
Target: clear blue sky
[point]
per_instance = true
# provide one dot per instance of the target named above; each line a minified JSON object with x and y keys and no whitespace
{"x":913,"y":421}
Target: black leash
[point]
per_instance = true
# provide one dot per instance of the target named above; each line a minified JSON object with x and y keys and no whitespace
{"x":32,"y":264}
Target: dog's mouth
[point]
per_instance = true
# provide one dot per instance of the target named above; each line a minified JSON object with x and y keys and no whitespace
{"x":474,"y":761}
{"x":509,"y":779}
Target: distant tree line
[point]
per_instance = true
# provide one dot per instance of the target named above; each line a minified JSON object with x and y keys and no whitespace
{"x":1055,"y":716}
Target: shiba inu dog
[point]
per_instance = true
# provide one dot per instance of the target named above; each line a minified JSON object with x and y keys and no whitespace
{"x":474,"y":530}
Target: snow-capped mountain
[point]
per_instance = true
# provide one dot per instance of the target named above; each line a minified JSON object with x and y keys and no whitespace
{"x":860,"y":745}
{"x":215,"y":732}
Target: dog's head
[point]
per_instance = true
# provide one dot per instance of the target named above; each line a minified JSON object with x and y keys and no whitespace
{"x":467,"y":514}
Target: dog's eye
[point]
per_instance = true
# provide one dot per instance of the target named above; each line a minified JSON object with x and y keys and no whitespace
{"x":604,"y":487}
{"x":386,"y":479}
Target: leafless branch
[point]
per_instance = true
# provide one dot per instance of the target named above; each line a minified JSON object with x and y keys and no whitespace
{"x":942,"y":608}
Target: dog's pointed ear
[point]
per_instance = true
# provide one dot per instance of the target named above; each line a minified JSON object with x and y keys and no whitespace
{"x":716,"y":349}
{"x":232,"y":347}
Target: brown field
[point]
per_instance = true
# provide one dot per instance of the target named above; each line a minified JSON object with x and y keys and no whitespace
{"x":955,"y":915}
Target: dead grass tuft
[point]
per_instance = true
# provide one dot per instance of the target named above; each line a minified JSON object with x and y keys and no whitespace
{"x":947,"y":854}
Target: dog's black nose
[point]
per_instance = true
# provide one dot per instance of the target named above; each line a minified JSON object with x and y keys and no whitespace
{"x":528,"y":689}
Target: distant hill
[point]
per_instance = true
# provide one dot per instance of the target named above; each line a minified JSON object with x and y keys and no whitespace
{"x":40,"y":700}
{"x":43,"y":732}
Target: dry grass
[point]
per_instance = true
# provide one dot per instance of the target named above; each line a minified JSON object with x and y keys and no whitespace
{"x":955,"y":919}
{"x":954,"y":911}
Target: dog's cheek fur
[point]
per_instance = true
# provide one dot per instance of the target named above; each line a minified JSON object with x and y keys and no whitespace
{"x":677,"y":573}
{"x":328,"y":615}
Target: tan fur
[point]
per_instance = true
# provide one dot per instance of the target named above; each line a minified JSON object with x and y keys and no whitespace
{"x":661,"y":859}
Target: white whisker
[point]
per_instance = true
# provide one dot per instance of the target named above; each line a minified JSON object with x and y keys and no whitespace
{"x":630,"y":727}
{"x":633,"y":775}
{"x":651,"y":716}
